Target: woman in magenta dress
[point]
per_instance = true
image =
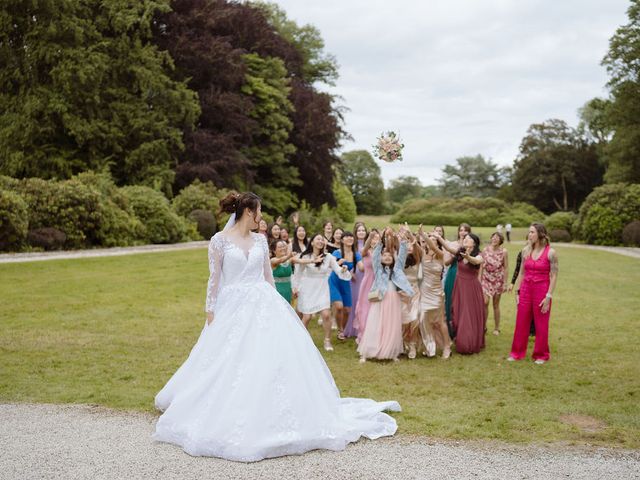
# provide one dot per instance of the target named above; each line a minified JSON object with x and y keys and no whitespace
{"x":540,"y":263}
{"x":360,"y":231}
{"x":362,"y":304}
{"x":467,"y":301}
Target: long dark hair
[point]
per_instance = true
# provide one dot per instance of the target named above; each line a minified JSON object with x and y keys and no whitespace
{"x":309,"y":249}
{"x":294,"y":240}
{"x":270,"y":231}
{"x":354,"y":247}
{"x":236,"y":203}
{"x":333,"y":235}
{"x":476,"y":248}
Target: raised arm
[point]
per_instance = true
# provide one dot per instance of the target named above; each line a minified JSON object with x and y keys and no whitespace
{"x":376,"y":257}
{"x":402,"y":254}
{"x":297,"y":275}
{"x":339,"y":270}
{"x":216,"y":254}
{"x":433,"y":246}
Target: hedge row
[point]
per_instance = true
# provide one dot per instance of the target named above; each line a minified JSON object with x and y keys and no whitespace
{"x":89,"y":210}
{"x":481,"y":212}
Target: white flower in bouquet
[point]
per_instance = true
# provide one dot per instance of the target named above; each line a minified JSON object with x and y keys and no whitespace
{"x":388,"y":147}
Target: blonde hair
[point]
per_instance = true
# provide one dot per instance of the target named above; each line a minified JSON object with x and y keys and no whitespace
{"x":543,"y":237}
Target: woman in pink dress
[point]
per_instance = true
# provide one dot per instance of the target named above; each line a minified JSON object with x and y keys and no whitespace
{"x":494,"y":277}
{"x":382,"y":337}
{"x":467,"y":302}
{"x":362,"y":304}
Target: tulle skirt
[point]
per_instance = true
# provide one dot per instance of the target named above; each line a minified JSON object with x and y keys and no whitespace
{"x":255,"y":386}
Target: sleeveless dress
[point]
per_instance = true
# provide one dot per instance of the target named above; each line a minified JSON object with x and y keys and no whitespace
{"x":254,"y":385}
{"x":467,"y":310}
{"x":282,"y":277}
{"x":432,"y":298}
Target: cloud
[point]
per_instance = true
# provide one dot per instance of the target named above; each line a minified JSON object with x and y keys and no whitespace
{"x":461,"y":77}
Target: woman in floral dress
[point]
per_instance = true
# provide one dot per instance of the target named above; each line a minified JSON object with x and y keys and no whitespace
{"x":494,"y":277}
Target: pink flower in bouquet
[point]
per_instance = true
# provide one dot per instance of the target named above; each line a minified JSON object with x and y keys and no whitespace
{"x":388,"y":148}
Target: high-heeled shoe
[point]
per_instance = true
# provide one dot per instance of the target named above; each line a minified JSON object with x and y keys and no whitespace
{"x":327,"y":345}
{"x":412,"y":351}
{"x":446,"y":352}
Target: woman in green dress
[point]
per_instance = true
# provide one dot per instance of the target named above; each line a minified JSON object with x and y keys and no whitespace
{"x":281,"y":264}
{"x":450,"y":276}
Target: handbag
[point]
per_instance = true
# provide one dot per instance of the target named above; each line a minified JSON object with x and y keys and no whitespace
{"x":374,"y":295}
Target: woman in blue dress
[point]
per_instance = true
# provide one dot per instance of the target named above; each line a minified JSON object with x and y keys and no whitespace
{"x":340,"y":290}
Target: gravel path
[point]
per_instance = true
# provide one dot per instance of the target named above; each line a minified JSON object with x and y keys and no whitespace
{"x":84,"y":442}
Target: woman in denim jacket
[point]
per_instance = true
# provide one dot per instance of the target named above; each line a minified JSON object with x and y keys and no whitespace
{"x":382,"y":337}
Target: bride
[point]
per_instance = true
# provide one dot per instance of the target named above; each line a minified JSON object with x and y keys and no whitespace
{"x":254,"y":385}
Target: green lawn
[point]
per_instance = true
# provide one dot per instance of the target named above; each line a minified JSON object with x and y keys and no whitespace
{"x":111,"y":331}
{"x":381,"y":221}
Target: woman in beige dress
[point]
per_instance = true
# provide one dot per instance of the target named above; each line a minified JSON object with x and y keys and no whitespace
{"x":411,"y":305}
{"x":432,"y":325}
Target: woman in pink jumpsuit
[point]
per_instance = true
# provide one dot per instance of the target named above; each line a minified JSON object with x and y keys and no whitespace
{"x":535,"y":291}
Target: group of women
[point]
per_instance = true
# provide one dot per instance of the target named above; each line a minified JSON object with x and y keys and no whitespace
{"x":403,"y":292}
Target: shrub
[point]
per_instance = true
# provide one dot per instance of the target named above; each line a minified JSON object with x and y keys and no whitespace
{"x":119,"y":225}
{"x":561,"y":221}
{"x":606,"y":211}
{"x":205,"y":221}
{"x":14,"y":221}
{"x":559,"y":235}
{"x":9,"y":183}
{"x":631,"y":234}
{"x":161,"y":223}
{"x":481,"y":212}
{"x":197,"y":196}
{"x":48,"y":238}
{"x":70,"y":206}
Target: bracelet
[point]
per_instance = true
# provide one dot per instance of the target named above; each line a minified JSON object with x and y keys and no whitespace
{"x":548,"y":295}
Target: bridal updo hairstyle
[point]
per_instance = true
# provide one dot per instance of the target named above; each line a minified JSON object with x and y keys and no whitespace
{"x":236,"y":202}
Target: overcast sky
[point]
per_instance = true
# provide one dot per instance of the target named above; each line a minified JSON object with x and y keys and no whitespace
{"x":461,"y":77}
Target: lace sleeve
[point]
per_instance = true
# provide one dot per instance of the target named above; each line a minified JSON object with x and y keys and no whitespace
{"x":297,"y":275}
{"x":268,"y":271}
{"x":216,"y":254}
{"x":333,"y":264}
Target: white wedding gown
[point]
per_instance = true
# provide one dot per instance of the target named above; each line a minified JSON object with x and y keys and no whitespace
{"x":254,"y":385}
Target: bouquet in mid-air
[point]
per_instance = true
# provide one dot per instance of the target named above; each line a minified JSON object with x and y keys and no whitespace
{"x":388,"y":148}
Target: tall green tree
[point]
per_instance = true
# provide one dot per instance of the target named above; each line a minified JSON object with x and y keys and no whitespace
{"x":272,"y":174}
{"x":622,"y":61}
{"x":317,"y":65}
{"x":404,"y":188}
{"x":208,"y":40}
{"x":360,"y":172}
{"x":556,"y":168}
{"x":82,"y":87}
{"x":471,"y":176}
